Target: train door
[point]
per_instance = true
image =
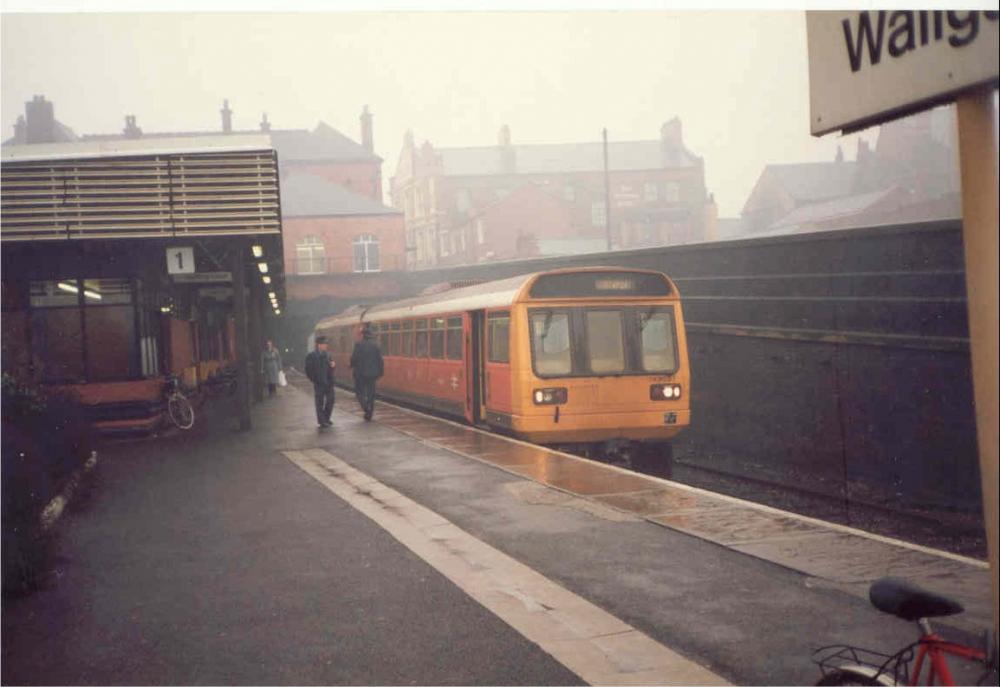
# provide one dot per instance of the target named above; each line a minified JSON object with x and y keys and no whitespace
{"x":496,"y":367}
{"x":475,"y":410}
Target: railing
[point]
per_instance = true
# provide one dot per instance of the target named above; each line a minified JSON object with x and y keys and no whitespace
{"x":193,"y":194}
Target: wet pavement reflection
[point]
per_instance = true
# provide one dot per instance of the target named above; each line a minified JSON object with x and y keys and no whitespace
{"x":842,"y":556}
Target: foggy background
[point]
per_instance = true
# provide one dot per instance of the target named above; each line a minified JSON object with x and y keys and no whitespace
{"x":738,"y":80}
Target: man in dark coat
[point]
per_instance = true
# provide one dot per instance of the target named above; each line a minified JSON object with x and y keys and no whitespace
{"x":319,"y":370}
{"x":366,"y":362}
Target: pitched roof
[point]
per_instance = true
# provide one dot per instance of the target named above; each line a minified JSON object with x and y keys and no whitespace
{"x":814,"y":181}
{"x":293,"y":145}
{"x":322,"y":143}
{"x":308,"y":195}
{"x":830,"y":210}
{"x":549,"y":158}
{"x":60,"y":134}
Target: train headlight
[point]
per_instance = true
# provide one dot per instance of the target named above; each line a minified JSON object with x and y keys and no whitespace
{"x":664,"y":392}
{"x":550,"y":396}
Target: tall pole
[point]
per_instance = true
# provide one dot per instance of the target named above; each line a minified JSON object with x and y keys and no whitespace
{"x":607,"y":192}
{"x":256,"y":337}
{"x":977,"y":151}
{"x":242,"y":345}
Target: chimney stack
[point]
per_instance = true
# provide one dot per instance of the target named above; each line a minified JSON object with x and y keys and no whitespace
{"x":41,"y":121}
{"x":367,"y":139}
{"x":671,"y":133}
{"x":864,"y":152}
{"x":131,"y":130}
{"x":227,"y":117}
{"x":671,"y":141}
{"x":20,"y":134}
{"x":508,"y":159}
{"x":265,"y":125}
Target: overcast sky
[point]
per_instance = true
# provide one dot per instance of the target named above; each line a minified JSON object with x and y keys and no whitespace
{"x":737,"y":80}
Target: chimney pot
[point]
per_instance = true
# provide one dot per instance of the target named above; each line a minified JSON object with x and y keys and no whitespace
{"x":503,"y":137}
{"x":264,"y":124}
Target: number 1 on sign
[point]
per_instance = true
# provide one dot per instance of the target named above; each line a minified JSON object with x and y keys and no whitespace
{"x":180,"y":260}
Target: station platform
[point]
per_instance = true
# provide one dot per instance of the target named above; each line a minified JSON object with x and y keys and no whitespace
{"x":414,"y":550}
{"x":847,"y":557}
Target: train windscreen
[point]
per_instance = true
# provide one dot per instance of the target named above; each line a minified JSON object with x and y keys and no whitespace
{"x":603,"y":341}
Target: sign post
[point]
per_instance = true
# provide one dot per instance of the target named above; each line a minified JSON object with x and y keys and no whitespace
{"x":869,"y":67}
{"x":980,"y":234}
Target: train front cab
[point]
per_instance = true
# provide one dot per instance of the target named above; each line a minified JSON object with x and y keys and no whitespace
{"x":585,"y":370}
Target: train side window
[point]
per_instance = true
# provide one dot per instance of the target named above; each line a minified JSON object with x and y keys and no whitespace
{"x":658,"y":340}
{"x":550,"y":343}
{"x":453,"y":343}
{"x":406,"y":339}
{"x":498,"y":337}
{"x":420,"y":339}
{"x":394,"y":338}
{"x":605,"y":341}
{"x":437,"y":337}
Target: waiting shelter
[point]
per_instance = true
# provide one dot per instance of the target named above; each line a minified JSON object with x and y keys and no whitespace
{"x":122,"y":262}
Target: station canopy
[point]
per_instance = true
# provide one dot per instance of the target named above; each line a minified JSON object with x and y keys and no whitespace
{"x":163,"y":188}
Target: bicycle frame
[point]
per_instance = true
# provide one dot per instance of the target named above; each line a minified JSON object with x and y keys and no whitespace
{"x":932,"y":646}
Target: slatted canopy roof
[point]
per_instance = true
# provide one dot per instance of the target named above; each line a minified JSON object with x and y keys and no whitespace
{"x":163,"y":188}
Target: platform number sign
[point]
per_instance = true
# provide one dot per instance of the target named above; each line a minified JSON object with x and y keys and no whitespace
{"x":180,"y":260}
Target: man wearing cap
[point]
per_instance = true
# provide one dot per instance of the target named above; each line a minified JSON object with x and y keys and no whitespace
{"x":366,"y":363}
{"x":319,"y":370}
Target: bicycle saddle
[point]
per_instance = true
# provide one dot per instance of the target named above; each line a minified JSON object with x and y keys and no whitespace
{"x":908,"y":601}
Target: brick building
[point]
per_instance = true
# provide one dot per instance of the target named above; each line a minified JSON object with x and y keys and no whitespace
{"x":451,"y":195}
{"x":910,"y":175}
{"x":341,"y":240}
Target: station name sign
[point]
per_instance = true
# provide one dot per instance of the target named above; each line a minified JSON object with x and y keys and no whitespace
{"x":866,"y":67}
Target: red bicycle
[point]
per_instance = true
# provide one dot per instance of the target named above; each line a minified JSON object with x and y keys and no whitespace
{"x":850,"y":665}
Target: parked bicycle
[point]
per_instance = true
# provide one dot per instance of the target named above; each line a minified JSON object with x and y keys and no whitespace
{"x":222,"y":383}
{"x":179,"y":408}
{"x":928,"y":656}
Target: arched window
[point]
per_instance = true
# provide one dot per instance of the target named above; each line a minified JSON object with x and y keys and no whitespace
{"x":366,"y":253}
{"x":310,"y":256}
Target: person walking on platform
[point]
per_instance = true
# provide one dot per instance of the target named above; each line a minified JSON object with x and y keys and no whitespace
{"x":319,"y":370}
{"x":270,"y":366}
{"x":366,"y":363}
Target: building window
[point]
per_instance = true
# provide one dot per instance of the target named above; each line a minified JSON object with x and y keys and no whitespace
{"x":650,"y":191}
{"x":366,"y":257}
{"x":462,"y":200}
{"x":673,"y":192}
{"x":443,"y":243}
{"x":310,"y":256}
{"x":569,"y":193}
{"x":598,"y":213}
{"x":480,"y":232}
{"x":84,"y":330}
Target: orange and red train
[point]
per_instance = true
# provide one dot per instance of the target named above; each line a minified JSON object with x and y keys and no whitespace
{"x":580,"y":356}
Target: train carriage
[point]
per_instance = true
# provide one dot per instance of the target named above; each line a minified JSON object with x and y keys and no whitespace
{"x":576,"y":356}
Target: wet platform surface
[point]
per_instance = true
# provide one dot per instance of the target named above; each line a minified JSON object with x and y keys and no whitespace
{"x":846,"y":558}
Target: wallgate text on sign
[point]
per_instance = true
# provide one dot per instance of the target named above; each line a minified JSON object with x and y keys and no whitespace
{"x":867,"y":67}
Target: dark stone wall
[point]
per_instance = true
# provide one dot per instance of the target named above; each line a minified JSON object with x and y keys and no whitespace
{"x":836,"y":361}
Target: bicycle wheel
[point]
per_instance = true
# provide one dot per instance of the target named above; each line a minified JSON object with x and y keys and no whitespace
{"x":180,"y":411}
{"x":846,"y":677}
